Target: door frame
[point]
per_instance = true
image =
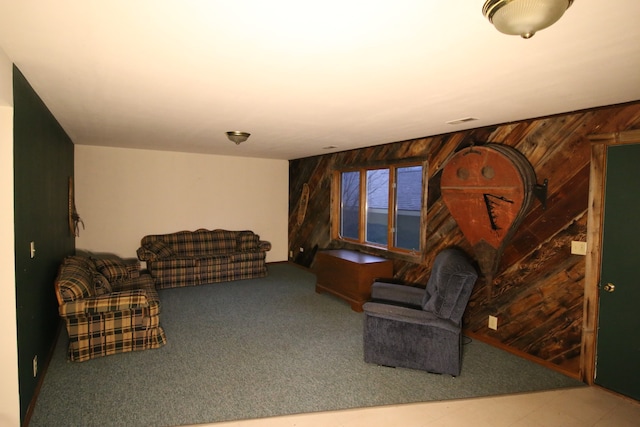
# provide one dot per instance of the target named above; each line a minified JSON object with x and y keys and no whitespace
{"x":595,"y":216}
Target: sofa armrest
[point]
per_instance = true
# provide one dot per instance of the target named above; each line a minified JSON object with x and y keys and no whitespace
{"x":145,"y":254}
{"x":115,"y":301}
{"x":154,"y":250}
{"x":409,"y":315}
{"x":264,"y":246}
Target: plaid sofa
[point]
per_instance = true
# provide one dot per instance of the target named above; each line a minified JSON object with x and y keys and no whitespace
{"x":108,"y":307}
{"x":188,"y":258}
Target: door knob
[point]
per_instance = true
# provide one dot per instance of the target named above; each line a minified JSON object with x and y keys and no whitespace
{"x":609,"y":287}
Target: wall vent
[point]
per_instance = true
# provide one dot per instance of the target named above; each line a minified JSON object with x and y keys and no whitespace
{"x":460,"y":121}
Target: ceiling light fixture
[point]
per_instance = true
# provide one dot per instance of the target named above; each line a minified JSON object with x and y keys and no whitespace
{"x":237,"y":136}
{"x":524,"y":17}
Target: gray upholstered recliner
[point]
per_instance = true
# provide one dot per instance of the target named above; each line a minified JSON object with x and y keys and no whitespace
{"x":417,"y":328}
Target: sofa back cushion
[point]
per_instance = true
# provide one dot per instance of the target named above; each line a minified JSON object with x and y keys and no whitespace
{"x":450,"y":285}
{"x":101,"y":285}
{"x":215,"y":242}
{"x":113,"y":270}
{"x":247,"y":241}
{"x":201,"y":242}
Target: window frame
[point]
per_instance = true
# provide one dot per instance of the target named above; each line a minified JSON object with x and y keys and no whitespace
{"x":360,"y":242}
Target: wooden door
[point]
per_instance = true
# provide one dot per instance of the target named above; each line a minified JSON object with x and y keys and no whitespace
{"x":600,"y":144}
{"x":618,"y":335}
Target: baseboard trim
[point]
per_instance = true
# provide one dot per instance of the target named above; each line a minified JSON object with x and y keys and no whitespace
{"x":41,"y":375}
{"x":495,"y":343}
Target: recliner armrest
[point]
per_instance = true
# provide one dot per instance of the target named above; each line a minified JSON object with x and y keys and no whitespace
{"x":402,"y":294}
{"x":115,"y":301}
{"x":409,"y":315}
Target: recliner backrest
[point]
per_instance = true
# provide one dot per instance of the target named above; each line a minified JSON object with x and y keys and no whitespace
{"x":450,"y":284}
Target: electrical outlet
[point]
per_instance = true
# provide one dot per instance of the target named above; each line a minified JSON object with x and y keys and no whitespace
{"x":578,"y":248}
{"x":290,"y":254}
{"x":301,"y":249}
{"x":493,"y":323}
{"x":35,"y":366}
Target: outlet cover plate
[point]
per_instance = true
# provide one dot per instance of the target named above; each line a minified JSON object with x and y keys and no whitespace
{"x":493,"y":323}
{"x":578,"y":248}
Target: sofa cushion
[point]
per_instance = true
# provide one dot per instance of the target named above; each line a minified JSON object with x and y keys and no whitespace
{"x":247,"y":241}
{"x":74,"y":281}
{"x":160,"y":248}
{"x":101,"y":285}
{"x":113,"y":270}
{"x":82,"y":261}
{"x":222,"y":241}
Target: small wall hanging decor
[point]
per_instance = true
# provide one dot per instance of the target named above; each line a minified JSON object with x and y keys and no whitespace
{"x":74,"y":217}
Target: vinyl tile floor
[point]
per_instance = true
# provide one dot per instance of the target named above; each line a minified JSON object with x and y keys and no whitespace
{"x":573,"y":407}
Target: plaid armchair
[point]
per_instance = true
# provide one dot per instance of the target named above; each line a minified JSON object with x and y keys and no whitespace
{"x":108,"y":307}
{"x":188,"y":258}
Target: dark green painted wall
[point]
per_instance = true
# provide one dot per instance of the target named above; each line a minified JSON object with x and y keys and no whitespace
{"x":43,"y":163}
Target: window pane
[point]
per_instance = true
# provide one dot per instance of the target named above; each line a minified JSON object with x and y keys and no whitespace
{"x":377,"y":206}
{"x":408,"y":204}
{"x":350,"y":207}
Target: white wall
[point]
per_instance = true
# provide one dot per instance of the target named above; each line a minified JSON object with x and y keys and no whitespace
{"x":9,"y":388}
{"x":125,"y":194}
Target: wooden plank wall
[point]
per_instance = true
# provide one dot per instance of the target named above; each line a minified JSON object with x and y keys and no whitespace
{"x":538,"y":289}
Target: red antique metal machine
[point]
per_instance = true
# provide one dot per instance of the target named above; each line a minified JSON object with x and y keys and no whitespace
{"x":488,"y":190}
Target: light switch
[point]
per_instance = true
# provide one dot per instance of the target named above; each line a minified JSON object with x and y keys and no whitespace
{"x":33,"y":249}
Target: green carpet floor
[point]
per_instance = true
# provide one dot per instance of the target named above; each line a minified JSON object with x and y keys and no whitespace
{"x":259,"y":348}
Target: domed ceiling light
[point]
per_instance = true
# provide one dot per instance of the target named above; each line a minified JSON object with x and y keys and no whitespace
{"x":524,"y":17}
{"x":237,"y":136}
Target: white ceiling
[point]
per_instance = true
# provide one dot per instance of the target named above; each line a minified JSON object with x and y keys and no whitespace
{"x":304,"y":75}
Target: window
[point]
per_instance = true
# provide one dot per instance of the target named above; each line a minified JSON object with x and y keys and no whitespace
{"x":350,"y":205}
{"x":381,"y":207}
{"x":377,"y":209}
